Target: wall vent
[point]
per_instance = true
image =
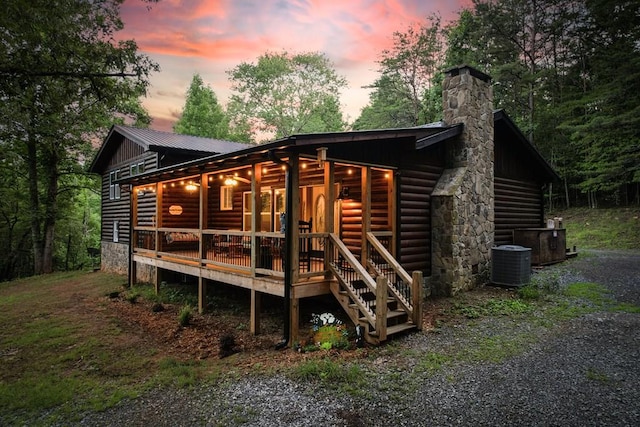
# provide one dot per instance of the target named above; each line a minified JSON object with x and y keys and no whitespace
{"x":510,"y":265}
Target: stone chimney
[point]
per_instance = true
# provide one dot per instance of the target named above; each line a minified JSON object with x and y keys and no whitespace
{"x":462,"y":203}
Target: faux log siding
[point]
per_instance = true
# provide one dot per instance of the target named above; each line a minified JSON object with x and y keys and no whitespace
{"x":414,"y":240}
{"x":379,"y":201}
{"x":351,"y":222}
{"x":118,"y":210}
{"x":190,"y":203}
{"x":114,"y":210}
{"x":518,"y":204}
{"x":146,"y":210}
{"x":226,"y":220}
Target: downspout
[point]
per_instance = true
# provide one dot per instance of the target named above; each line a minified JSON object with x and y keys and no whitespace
{"x":288,"y":243}
{"x":129,"y":270}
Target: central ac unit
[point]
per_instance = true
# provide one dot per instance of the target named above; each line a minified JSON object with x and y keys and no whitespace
{"x":510,"y":265}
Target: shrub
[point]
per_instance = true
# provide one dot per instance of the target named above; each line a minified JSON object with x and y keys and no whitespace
{"x":185,"y":315}
{"x":227,"y":346}
{"x":132,"y":297}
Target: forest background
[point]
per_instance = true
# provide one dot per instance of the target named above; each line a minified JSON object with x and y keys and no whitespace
{"x":567,"y":72}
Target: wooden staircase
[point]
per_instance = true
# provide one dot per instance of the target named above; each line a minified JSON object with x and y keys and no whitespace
{"x":382,"y":298}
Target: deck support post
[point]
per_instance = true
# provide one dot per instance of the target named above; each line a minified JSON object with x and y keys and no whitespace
{"x":202,"y":294}
{"x":254,"y":321}
{"x":417,"y":296}
{"x":157,"y":277}
{"x":294,"y":320}
{"x":382,"y":291}
{"x":329,"y":223}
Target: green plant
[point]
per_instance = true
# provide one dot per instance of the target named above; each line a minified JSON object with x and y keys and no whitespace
{"x":332,"y":336}
{"x":432,"y":362}
{"x":132,"y":296}
{"x":177,"y":372}
{"x":529,"y":292}
{"x":348,"y":377}
{"x":185,"y":315}
{"x":596,"y":375}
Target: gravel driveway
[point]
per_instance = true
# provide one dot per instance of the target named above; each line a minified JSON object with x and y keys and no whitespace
{"x":579,"y":372}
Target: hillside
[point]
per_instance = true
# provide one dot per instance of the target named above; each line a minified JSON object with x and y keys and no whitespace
{"x":611,"y":228}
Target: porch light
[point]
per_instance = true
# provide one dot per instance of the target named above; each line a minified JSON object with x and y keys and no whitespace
{"x":322,"y":156}
{"x":191,"y":186}
{"x":230,"y":181}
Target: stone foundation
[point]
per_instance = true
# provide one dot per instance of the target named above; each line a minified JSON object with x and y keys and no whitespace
{"x":115,"y":259}
{"x":462,"y":203}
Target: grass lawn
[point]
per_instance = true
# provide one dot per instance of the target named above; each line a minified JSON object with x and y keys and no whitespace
{"x":63,"y":352}
{"x":617,"y":228}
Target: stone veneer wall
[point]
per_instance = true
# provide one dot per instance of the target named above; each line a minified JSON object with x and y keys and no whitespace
{"x":463,"y":199}
{"x":115,"y":259}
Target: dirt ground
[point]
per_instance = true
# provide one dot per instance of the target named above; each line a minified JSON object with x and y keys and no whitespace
{"x":228,"y":316}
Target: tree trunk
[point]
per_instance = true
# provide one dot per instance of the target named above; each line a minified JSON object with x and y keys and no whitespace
{"x":42,"y":223}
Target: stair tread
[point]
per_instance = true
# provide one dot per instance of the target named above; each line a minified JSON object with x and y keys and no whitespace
{"x":396,"y":329}
{"x":391,"y":314}
{"x":400,"y":328}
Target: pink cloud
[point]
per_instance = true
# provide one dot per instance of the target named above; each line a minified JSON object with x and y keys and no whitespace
{"x":215,"y":35}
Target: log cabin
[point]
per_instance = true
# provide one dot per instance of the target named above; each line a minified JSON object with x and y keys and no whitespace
{"x":371,"y":217}
{"x":126,"y":152}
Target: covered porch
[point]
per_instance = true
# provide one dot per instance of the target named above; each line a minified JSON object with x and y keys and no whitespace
{"x":225,"y":220}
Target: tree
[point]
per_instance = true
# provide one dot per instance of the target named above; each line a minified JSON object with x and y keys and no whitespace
{"x":405,"y":93}
{"x":201,"y":114}
{"x":65,"y":79}
{"x":603,"y":111}
{"x":414,"y":61}
{"x":284,"y":94}
{"x":389,"y":106}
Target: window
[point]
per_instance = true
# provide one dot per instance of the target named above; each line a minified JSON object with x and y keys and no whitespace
{"x":137,"y":168}
{"x":270,"y":212}
{"x":114,"y":189}
{"x":116,"y":231}
{"x":226,"y":197}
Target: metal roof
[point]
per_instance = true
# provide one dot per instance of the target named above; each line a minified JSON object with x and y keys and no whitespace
{"x":154,"y":140}
{"x":150,"y":139}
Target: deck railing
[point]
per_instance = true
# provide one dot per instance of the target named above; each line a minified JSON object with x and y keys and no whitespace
{"x":232,"y":249}
{"x":354,"y":278}
{"x":405,"y":288}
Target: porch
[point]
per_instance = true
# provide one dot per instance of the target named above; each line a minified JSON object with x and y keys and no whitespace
{"x":228,"y":225}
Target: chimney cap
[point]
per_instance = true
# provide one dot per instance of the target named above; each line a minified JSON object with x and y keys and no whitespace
{"x":457,"y":70}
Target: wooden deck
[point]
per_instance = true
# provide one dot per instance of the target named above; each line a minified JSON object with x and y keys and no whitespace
{"x":230,"y":257}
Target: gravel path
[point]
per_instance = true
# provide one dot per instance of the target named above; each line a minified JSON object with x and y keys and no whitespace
{"x":583,"y":372}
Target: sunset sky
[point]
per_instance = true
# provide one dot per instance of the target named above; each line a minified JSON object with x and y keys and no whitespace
{"x":210,"y":37}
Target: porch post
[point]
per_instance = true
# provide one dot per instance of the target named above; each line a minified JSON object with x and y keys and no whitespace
{"x":294,"y":211}
{"x":133,"y":221}
{"x":256,"y":208}
{"x":158,"y":221}
{"x":391,"y":209}
{"x":294,"y":234}
{"x":366,"y":212}
{"x":204,"y":194}
{"x":329,"y":211}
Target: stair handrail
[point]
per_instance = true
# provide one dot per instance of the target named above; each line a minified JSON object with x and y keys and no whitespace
{"x":359,"y":270}
{"x":397,"y":268}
